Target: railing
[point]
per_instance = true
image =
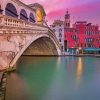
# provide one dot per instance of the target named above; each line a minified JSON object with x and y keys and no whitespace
{"x":18,"y":23}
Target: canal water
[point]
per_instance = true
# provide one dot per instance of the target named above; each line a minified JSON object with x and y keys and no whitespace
{"x":55,"y":78}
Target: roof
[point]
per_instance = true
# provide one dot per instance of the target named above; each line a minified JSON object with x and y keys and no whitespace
{"x":21,"y":3}
{"x":58,"y":22}
{"x":35,"y":5}
{"x":78,"y":22}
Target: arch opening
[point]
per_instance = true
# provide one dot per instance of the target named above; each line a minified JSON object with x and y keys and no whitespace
{"x":31,"y":18}
{"x":40,"y":46}
{"x":39,"y":16}
{"x":43,"y":46}
{"x":0,"y":10}
{"x":23,"y":15}
{"x":10,"y":10}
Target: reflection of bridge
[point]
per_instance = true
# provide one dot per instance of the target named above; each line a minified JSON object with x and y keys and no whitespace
{"x":24,"y":33}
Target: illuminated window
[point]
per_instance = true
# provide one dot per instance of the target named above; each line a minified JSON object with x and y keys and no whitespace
{"x":39,"y":15}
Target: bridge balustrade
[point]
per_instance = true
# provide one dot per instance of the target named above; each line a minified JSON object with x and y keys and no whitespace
{"x":14,"y":22}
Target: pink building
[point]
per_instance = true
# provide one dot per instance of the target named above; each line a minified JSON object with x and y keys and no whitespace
{"x":82,"y":35}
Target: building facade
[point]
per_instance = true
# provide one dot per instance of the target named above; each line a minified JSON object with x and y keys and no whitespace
{"x":81,"y":36}
{"x":58,"y":29}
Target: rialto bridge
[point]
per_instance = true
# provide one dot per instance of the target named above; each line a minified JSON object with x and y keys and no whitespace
{"x":23,"y":31}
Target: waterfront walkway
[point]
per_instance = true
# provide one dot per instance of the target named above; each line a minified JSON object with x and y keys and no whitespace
{"x":82,"y":55}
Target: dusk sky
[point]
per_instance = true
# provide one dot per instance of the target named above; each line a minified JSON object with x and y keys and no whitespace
{"x":85,"y":10}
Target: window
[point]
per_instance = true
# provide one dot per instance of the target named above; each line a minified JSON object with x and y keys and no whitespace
{"x":65,"y":35}
{"x":85,"y":32}
{"x":53,"y":25}
{"x":73,"y":37}
{"x":31,"y":18}
{"x":60,"y":30}
{"x":23,"y":15}
{"x":62,"y":48}
{"x":81,"y":44}
{"x":54,"y":30}
{"x":88,"y":40}
{"x":59,"y":40}
{"x":85,"y":45}
{"x":60,"y":35}
{"x":0,"y":10}
{"x":10,"y":10}
{"x":90,"y":45}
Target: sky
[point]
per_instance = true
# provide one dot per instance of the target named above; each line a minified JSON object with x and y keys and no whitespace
{"x":80,"y":10}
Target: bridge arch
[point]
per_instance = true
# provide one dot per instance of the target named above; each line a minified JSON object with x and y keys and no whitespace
{"x":50,"y":47}
{"x":11,"y":10}
{"x":23,"y":15}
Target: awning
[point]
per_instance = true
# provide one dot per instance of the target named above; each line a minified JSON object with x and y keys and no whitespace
{"x":91,"y":49}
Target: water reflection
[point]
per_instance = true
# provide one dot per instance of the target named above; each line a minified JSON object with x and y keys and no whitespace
{"x":54,"y":78}
{"x":79,"y":69}
{"x":16,"y":90}
{"x":58,"y":63}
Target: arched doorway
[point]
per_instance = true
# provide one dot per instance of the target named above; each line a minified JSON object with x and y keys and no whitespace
{"x":10,"y":10}
{"x":66,"y":45}
{"x":23,"y":15}
{"x":31,"y":18}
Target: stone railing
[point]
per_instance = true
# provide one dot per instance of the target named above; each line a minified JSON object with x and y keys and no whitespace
{"x":18,"y":23}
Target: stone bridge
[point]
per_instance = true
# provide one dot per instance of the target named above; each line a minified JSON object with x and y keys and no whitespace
{"x":25,"y":37}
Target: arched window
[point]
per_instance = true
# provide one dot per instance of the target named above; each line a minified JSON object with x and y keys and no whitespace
{"x":60,"y":35}
{"x":0,"y":10}
{"x":10,"y":10}
{"x":39,"y":16}
{"x":23,"y":15}
{"x":31,"y":18}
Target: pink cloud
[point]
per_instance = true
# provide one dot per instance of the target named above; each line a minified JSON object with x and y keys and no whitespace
{"x":87,"y":9}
